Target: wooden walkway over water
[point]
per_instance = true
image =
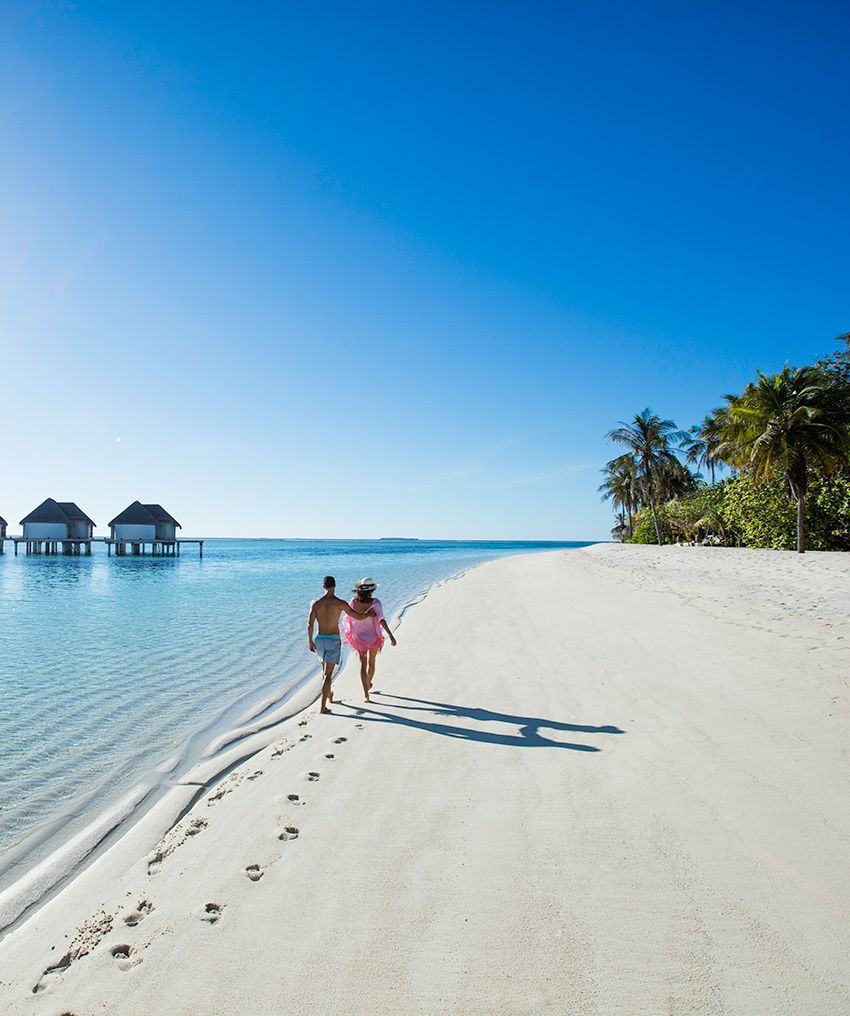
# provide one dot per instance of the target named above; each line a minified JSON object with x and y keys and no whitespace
{"x":123,"y":548}
{"x":158,"y":548}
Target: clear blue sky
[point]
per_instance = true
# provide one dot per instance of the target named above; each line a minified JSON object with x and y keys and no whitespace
{"x":395,"y":269}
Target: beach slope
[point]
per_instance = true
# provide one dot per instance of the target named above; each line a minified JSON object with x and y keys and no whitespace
{"x":600,"y":781}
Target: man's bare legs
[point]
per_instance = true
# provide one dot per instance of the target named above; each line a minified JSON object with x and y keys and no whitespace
{"x":327,"y":687}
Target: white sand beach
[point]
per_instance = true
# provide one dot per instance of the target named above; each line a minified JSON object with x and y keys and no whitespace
{"x":600,"y":781}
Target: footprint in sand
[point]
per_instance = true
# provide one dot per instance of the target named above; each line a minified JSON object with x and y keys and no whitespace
{"x":359,"y":726}
{"x":212,"y":912}
{"x":289,"y":832}
{"x":254,"y":776}
{"x":139,"y":914}
{"x":339,"y":740}
{"x":196,"y":826}
{"x":155,"y":863}
{"x":305,"y":737}
{"x":303,"y":723}
{"x":89,"y":934}
{"x":56,"y":968}
{"x":122,"y":954}
{"x":330,"y":756}
{"x":312,"y":777}
{"x":218,"y":795}
{"x":254,"y":872}
{"x":294,"y":799}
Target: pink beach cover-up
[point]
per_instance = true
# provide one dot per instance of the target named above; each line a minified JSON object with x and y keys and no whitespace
{"x":364,"y":636}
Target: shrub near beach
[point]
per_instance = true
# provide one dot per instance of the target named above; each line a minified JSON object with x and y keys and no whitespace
{"x":786,"y":443}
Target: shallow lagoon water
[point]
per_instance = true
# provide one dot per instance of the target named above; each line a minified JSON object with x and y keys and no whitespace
{"x":109,"y":666}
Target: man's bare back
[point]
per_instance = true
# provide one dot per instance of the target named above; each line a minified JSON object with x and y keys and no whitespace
{"x":327,"y":611}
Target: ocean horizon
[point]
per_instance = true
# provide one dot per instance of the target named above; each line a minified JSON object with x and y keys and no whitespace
{"x":118,"y":674}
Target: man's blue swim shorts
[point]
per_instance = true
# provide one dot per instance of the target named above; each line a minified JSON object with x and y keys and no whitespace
{"x":328,"y":648}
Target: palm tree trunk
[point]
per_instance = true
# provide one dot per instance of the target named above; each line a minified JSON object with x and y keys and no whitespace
{"x":650,"y":490}
{"x":801,"y":523}
{"x":654,"y":517}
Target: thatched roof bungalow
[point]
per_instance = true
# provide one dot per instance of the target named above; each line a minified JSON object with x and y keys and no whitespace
{"x":144,"y":523}
{"x":57,"y":520}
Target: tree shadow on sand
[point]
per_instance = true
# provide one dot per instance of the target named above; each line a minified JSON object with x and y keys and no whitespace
{"x":528,"y":727}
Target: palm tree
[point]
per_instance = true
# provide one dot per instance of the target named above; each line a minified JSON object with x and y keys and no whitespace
{"x":620,"y":531}
{"x":702,"y":448}
{"x":648,"y":439}
{"x":676,"y":480}
{"x":620,"y":486}
{"x":784,"y":424}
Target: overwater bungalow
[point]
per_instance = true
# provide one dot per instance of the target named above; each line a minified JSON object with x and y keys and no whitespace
{"x":142,"y":524}
{"x":54,"y":525}
{"x":2,"y":533}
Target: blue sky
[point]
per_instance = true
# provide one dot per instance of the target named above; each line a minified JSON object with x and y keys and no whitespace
{"x":363,"y":270}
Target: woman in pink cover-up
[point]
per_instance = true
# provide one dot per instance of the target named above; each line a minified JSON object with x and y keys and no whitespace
{"x":365,"y":636}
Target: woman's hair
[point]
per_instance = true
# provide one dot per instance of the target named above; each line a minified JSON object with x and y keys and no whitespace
{"x":364,"y":595}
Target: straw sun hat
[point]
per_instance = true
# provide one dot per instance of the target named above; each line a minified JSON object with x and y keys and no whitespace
{"x":367,"y":585}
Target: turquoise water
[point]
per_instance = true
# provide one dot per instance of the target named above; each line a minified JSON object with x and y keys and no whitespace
{"x":110,"y":666}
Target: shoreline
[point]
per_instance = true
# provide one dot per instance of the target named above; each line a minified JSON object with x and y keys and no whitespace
{"x":45,"y":877}
{"x":84,"y":731}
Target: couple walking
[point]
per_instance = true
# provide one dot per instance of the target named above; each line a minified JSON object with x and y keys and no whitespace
{"x":362,"y":624}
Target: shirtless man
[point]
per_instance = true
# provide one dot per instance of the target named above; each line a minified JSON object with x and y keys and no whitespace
{"x":326,"y":612}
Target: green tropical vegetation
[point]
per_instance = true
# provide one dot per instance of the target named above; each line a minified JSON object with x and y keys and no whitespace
{"x":782,"y":448}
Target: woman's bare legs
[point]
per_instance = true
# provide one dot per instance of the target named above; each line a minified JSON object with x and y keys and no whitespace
{"x":373,"y":656}
{"x":364,"y":673}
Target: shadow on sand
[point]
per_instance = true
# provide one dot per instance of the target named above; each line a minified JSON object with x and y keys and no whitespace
{"x":528,"y":727}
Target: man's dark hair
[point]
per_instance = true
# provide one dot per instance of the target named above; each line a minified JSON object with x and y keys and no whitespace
{"x":330,"y":582}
